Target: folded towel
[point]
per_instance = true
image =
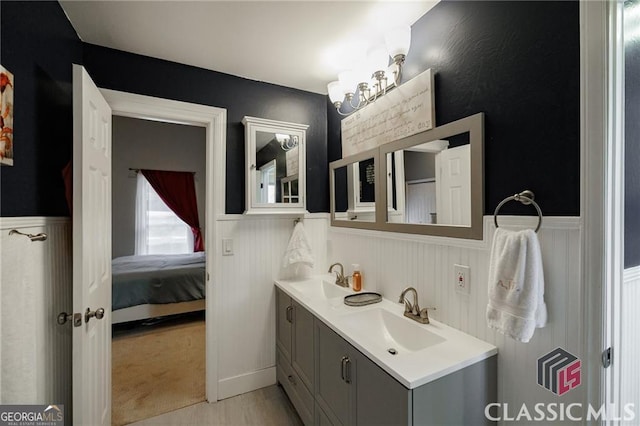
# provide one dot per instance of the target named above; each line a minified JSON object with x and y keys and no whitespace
{"x":299,"y":250}
{"x":516,"y":284}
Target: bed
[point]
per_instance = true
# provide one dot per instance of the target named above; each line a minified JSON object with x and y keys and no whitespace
{"x":157,"y":285}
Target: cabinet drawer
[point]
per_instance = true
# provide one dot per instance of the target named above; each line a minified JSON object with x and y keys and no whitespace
{"x":298,"y":393}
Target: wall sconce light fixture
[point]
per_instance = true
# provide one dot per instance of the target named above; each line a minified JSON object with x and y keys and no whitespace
{"x":287,"y":142}
{"x":360,"y":87}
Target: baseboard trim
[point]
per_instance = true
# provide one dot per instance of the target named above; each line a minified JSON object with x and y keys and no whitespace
{"x":248,"y":382}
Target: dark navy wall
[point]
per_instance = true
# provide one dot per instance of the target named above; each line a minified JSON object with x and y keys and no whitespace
{"x":38,"y":45}
{"x":114,"y":69}
{"x":632,"y":154}
{"x":519,"y":63}
{"x":516,"y":61}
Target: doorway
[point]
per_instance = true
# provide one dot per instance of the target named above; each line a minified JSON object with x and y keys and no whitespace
{"x":214,"y":121}
{"x":158,"y":273}
{"x":623,"y":286}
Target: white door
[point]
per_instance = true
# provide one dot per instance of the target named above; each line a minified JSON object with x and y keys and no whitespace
{"x":421,"y":202}
{"x":91,"y":252}
{"x":453,"y":186}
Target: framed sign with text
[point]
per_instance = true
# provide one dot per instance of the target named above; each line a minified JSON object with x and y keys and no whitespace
{"x":404,"y":111}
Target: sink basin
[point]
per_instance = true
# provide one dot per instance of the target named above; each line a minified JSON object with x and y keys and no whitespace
{"x":320,"y":289}
{"x":390,"y":331}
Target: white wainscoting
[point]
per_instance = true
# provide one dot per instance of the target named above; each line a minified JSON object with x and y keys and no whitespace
{"x":391,"y":262}
{"x":629,"y":349}
{"x":246,"y":329}
{"x":35,"y":285}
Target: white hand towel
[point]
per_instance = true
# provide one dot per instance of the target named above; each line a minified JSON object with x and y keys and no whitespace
{"x":516,"y":284}
{"x":298,"y":250}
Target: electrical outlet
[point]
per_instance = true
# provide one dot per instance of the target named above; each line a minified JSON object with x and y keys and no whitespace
{"x":461,"y":278}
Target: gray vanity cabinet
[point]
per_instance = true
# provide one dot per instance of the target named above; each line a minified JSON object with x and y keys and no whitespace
{"x":283,"y":324}
{"x":352,"y":389}
{"x":295,"y":354}
{"x":331,"y":383}
{"x":380,"y":399}
{"x":335,"y":389}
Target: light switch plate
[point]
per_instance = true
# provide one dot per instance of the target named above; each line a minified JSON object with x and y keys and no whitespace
{"x":227,"y":247}
{"x":461,"y":278}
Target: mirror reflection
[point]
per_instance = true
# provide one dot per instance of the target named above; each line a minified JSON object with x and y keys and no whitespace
{"x":355,"y":190}
{"x":277,"y":164}
{"x":430,"y":182}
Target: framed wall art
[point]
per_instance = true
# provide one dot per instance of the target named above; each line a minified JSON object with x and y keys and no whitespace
{"x":6,"y":117}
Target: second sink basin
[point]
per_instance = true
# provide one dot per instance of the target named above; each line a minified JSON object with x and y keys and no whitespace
{"x":320,"y":289}
{"x":391,"y":331}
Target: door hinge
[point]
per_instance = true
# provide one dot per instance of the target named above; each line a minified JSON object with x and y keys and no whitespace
{"x":208,"y":277}
{"x":606,"y":357}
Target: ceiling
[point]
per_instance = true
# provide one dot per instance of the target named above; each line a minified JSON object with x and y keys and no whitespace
{"x":299,"y":44}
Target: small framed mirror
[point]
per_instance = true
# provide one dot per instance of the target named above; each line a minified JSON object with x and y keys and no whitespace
{"x":275,"y":166}
{"x":434,"y":181}
{"x":353,"y":185}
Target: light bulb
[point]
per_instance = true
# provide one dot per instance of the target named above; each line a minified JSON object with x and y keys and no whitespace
{"x":336,"y":93}
{"x":348,"y":81}
{"x":398,"y":41}
{"x":378,"y":59}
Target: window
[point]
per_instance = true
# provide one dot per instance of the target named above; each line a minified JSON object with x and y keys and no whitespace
{"x":158,"y":229}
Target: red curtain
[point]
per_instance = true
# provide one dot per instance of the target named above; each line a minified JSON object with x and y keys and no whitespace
{"x":178,"y":191}
{"x":67,"y":177}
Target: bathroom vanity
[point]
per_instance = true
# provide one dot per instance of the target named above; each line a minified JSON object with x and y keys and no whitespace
{"x":370,"y":365}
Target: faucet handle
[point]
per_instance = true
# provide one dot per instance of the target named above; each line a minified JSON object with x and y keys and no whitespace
{"x":424,"y":312}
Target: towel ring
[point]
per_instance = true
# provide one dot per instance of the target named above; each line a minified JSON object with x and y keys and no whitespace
{"x":525,"y":197}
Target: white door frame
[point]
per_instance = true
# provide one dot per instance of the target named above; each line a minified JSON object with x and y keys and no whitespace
{"x":614,"y":205}
{"x":602,"y":188}
{"x":215,"y":121}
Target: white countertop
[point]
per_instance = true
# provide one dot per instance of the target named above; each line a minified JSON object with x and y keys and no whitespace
{"x":453,"y":350}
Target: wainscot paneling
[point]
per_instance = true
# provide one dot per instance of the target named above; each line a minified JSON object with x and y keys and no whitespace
{"x":246,"y":352}
{"x":35,"y":285}
{"x":391,"y":262}
{"x":630,"y":344}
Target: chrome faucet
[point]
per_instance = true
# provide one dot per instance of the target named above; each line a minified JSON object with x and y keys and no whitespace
{"x":341,"y":280}
{"x":412,"y":310}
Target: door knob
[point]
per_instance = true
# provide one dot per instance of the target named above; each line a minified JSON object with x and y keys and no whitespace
{"x":98,"y":314}
{"x":63,"y":317}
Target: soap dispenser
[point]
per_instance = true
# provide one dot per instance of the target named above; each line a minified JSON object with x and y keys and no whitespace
{"x":357,"y":277}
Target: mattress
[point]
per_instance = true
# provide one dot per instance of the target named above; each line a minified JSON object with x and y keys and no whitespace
{"x":155,"y":279}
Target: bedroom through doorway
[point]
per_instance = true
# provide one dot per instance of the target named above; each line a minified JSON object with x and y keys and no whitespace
{"x":158,"y":268}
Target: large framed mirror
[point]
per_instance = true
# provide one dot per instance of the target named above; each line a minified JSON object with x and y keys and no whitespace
{"x":434,"y":181}
{"x":275,"y":166}
{"x":353,"y":185}
{"x":430,"y":183}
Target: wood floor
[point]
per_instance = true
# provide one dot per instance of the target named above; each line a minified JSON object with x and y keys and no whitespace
{"x":157,"y":367}
{"x":264,"y":407}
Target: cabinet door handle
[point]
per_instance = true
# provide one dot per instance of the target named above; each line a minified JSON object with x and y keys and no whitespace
{"x":289,"y":315}
{"x":347,"y":363}
{"x":343,"y":363}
